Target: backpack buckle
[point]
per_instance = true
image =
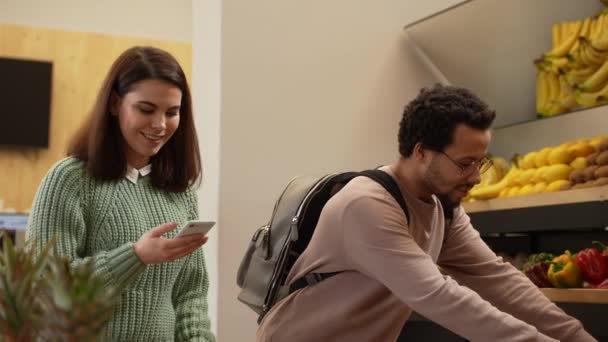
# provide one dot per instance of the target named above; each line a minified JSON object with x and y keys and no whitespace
{"x":257,"y":233}
{"x":265,"y":242}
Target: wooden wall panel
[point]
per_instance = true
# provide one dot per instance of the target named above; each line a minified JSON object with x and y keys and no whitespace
{"x":80,"y":62}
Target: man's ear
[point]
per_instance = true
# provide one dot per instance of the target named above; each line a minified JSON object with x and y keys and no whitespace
{"x":114,"y":103}
{"x":418,"y":151}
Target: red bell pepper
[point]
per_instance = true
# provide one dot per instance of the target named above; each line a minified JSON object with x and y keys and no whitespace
{"x":602,"y":247}
{"x":591,"y":263}
{"x":602,"y":285}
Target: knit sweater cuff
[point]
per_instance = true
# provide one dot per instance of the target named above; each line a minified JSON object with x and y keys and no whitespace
{"x":124,"y":265}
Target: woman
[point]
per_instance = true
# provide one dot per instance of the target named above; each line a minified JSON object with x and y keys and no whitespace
{"x":116,"y":200}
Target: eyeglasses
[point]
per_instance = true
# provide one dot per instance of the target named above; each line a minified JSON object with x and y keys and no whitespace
{"x":482,"y":165}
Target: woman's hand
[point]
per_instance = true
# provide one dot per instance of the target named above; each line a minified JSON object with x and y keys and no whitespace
{"x":152,"y":248}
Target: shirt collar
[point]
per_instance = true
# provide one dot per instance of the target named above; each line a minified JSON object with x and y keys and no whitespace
{"x":133,"y":174}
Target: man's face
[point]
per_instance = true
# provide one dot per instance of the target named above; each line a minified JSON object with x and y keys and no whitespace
{"x":452,"y":172}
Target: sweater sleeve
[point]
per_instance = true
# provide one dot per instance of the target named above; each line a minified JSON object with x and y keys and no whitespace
{"x":57,"y":213}
{"x":469,"y":260}
{"x":190,"y":293}
{"x":378,"y":246}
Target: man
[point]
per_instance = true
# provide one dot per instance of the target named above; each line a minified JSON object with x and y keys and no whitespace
{"x":389,"y":264}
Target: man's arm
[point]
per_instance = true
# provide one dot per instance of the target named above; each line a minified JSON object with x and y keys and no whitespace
{"x":471,"y":262}
{"x":379,"y":245}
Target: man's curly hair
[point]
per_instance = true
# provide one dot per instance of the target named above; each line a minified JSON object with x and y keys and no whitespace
{"x":433,"y":115}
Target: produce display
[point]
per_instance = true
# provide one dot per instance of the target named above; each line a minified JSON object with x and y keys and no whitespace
{"x":574,"y":73}
{"x":586,"y":269}
{"x":571,"y":165}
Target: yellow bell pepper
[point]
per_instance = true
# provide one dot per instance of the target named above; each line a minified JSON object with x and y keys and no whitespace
{"x":563,"y":272}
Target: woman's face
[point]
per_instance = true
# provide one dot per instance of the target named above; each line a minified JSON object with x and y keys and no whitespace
{"x":148,"y":115}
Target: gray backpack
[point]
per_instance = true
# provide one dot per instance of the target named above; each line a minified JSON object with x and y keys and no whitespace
{"x":274,"y":247}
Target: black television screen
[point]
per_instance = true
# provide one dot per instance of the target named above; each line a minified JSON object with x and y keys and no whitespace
{"x":25,"y":102}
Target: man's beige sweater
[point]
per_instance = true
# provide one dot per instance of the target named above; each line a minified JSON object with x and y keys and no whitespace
{"x":390,"y":268}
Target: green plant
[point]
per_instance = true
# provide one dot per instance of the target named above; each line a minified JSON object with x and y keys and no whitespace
{"x":77,"y":302}
{"x":43,"y":296}
{"x":20,"y":286}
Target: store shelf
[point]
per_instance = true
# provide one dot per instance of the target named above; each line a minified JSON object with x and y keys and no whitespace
{"x":589,"y":296}
{"x":537,"y":200}
{"x":562,"y":210}
{"x":502,"y":39}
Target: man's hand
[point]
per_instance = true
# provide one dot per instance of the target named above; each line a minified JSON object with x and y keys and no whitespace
{"x":152,"y":248}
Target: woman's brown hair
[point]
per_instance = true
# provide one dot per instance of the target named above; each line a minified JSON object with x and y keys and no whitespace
{"x":99,"y":142}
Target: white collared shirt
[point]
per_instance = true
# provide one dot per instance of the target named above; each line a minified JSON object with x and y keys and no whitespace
{"x":133,"y":174}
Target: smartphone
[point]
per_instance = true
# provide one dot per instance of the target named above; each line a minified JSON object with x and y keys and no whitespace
{"x":196,"y":227}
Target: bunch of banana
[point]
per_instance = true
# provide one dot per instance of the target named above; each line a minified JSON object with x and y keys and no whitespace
{"x":592,"y":99}
{"x":554,"y":95}
{"x":600,"y":40}
{"x":589,"y":55}
{"x":575,"y":77}
{"x":565,"y":37}
{"x":488,"y":191}
{"x":495,"y":173}
{"x":575,"y":71}
{"x":546,"y":170}
{"x":593,"y":52}
{"x":492,"y":176}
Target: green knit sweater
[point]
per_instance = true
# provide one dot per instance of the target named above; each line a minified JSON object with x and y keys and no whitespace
{"x":100,"y":221}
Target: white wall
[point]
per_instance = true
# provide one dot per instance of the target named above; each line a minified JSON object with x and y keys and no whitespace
{"x":307,"y":87}
{"x":206,"y":85}
{"x":155,"y":19}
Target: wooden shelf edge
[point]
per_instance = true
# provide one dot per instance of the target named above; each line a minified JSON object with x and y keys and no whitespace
{"x":538,"y":200}
{"x":589,"y":296}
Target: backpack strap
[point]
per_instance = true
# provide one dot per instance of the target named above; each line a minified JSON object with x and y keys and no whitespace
{"x":390,"y":185}
{"x":310,"y":279}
